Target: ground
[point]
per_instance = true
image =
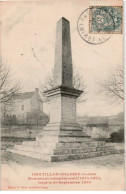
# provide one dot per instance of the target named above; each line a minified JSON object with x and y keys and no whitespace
{"x":16,"y":170}
{"x":109,"y":161}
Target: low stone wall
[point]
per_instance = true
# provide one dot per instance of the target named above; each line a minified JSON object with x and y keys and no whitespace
{"x":9,"y":142}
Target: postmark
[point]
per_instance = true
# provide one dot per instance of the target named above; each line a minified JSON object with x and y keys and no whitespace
{"x":96,"y":33}
{"x":105,"y":19}
{"x":83,"y":30}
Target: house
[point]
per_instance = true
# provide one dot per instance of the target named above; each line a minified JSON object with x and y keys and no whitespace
{"x":26,"y":107}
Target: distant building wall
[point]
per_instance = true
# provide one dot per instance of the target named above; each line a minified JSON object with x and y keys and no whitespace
{"x":27,"y":105}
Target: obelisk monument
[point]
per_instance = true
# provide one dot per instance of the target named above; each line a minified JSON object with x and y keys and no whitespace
{"x":63,"y":96}
{"x":63,"y":70}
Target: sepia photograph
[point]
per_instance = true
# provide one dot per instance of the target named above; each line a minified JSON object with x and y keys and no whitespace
{"x":62,"y":95}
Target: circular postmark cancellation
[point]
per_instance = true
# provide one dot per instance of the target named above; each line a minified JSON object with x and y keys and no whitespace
{"x":97,"y":23}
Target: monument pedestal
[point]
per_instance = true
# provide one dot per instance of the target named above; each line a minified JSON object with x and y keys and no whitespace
{"x":57,"y":147}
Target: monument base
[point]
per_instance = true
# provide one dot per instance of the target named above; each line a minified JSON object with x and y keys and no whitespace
{"x":63,"y":142}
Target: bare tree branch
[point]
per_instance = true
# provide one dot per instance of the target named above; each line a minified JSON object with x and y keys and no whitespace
{"x":8,"y":88}
{"x":113,"y":86}
{"x":78,"y":83}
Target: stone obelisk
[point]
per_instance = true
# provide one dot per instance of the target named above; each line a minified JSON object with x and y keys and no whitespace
{"x":63,"y":96}
{"x":63,"y":70}
{"x":62,"y":138}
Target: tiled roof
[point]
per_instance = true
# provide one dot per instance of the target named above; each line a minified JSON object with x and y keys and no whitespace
{"x":25,"y":95}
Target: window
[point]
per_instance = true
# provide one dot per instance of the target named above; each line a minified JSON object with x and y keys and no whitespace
{"x":22,"y":107}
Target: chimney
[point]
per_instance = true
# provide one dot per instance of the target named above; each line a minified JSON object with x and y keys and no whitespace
{"x":36,"y":90}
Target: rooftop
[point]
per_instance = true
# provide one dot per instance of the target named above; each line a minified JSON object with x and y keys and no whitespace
{"x":26,"y":95}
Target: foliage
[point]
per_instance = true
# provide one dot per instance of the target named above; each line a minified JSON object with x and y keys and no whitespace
{"x":117,"y":136}
{"x":10,"y":120}
{"x":37,"y":118}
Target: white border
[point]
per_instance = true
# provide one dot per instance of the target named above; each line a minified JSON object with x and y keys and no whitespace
{"x":90,"y":192}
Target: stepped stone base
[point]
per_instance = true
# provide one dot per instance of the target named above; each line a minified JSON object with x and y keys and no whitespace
{"x":63,"y":144}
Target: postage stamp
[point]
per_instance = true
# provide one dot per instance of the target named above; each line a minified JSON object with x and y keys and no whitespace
{"x":105,"y":19}
{"x":83,"y":30}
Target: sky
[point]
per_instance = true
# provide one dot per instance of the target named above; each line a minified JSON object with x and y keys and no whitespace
{"x":28,"y":31}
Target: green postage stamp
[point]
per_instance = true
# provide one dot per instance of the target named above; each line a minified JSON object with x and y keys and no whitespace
{"x":105,"y":19}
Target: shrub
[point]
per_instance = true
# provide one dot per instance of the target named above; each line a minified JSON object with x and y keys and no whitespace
{"x":117,"y":136}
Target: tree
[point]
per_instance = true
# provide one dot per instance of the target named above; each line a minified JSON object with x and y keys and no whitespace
{"x":10,"y":120}
{"x":78,"y":83}
{"x":113,"y":86}
{"x":8,"y":87}
{"x":36,"y":118}
{"x":117,"y":136}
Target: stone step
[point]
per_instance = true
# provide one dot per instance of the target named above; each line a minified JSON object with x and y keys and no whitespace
{"x":37,"y":143}
{"x":60,"y":126}
{"x":63,"y":133}
{"x":102,"y":148}
{"x":65,"y":157}
{"x":63,"y":139}
{"x":51,"y":150}
{"x":31,"y":154}
{"x":64,"y":145}
{"x":80,"y":144}
{"x":36,"y":149}
{"x":81,"y":150}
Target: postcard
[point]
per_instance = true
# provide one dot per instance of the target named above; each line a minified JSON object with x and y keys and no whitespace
{"x":62,"y":95}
